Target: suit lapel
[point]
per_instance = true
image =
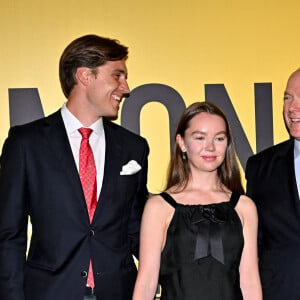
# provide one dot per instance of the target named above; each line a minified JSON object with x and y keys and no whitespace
{"x":287,"y":156}
{"x":57,"y":139}
{"x":112,"y":165}
{"x":292,"y":175}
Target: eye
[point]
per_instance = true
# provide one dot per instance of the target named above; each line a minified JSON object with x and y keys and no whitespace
{"x":221,"y":138}
{"x":287,"y":97}
{"x":200,"y":138}
{"x":120,"y":75}
{"x":117,"y":75}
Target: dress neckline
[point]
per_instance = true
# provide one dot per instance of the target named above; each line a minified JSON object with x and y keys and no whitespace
{"x":233,"y":199}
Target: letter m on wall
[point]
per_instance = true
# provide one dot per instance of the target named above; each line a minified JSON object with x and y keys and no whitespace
{"x":24,"y":105}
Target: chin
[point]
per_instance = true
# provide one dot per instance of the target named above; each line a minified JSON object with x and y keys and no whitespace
{"x":112,"y":117}
{"x":296,"y":136}
{"x":295,"y":132}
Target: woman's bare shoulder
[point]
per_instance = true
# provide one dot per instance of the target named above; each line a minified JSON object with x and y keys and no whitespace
{"x":246,"y":203}
{"x":246,"y":209}
{"x":157,"y":203}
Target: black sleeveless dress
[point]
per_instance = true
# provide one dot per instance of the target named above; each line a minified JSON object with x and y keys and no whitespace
{"x":201,"y":257}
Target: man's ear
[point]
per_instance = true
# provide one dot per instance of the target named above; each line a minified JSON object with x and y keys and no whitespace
{"x":83,"y":75}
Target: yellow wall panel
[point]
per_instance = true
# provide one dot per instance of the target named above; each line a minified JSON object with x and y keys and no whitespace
{"x":183,"y":44}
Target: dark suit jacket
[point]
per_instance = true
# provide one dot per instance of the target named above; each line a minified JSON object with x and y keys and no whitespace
{"x":271,"y":183}
{"x":39,"y":178}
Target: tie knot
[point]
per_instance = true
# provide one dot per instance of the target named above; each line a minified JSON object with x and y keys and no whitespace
{"x":85,"y":132}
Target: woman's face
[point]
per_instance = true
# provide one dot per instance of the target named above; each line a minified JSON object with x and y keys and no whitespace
{"x":205,"y":142}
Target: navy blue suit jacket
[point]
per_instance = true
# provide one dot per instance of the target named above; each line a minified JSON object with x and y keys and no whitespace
{"x":271,"y":183}
{"x":39,"y":179}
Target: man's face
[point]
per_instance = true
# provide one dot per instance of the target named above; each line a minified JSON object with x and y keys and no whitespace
{"x":107,"y":86}
{"x":291,"y":107}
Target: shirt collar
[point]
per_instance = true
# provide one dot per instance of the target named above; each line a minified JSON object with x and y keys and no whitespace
{"x":72,"y":124}
{"x":296,"y":148}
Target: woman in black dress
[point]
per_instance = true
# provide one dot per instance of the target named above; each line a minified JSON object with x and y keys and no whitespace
{"x":199,"y":237}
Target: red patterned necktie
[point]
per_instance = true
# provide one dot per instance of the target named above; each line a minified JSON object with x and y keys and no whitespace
{"x":87,"y":174}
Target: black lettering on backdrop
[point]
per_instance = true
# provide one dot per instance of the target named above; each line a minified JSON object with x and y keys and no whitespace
{"x":263,"y":115}
{"x":25,"y":106}
{"x":153,"y":92}
{"x":263,"y":112}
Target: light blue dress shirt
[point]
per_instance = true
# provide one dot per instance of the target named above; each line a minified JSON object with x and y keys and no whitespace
{"x":297,"y":163}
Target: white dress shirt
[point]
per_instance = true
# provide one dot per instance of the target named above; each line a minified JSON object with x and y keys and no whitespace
{"x":96,"y":140}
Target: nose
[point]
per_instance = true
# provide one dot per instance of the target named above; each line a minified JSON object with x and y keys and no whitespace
{"x":125,"y":87}
{"x":295,"y":104}
{"x":210,"y":146}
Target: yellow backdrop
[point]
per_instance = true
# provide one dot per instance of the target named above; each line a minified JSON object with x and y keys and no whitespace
{"x":183,"y":44}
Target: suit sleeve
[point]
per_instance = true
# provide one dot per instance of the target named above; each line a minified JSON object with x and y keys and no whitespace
{"x":138,"y":204}
{"x":13,"y":219}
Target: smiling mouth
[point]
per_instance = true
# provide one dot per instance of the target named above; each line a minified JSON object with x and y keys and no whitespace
{"x":209,"y":157}
{"x":294,"y":120}
{"x":117,"y":98}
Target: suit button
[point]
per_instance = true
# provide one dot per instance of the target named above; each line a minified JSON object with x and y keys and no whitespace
{"x":84,"y":274}
{"x":92,"y":232}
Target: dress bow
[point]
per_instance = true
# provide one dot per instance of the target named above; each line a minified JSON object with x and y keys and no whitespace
{"x":209,"y":223}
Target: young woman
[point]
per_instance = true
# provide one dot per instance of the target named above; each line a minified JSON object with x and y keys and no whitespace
{"x":199,"y":237}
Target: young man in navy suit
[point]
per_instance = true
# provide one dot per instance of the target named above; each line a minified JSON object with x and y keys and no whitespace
{"x":273,"y":182}
{"x":39,"y":178}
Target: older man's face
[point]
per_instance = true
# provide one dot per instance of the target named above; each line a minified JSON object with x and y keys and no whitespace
{"x":291,"y":107}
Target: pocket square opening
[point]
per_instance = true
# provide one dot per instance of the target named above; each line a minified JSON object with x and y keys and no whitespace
{"x":130,"y":168}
